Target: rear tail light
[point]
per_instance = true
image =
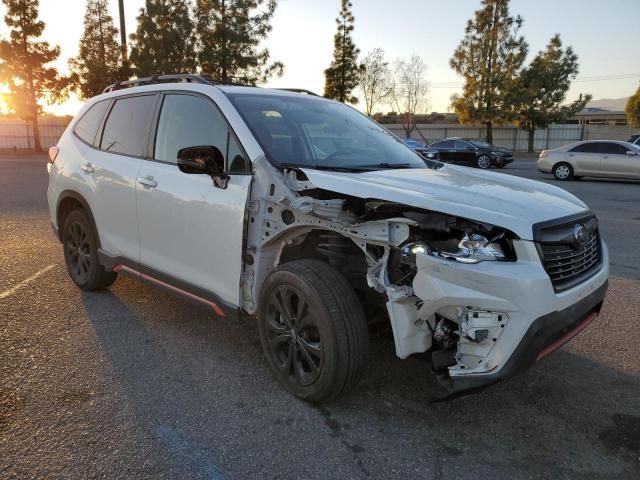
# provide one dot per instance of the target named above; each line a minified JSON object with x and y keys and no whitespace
{"x":53,"y":153}
{"x":544,"y":154}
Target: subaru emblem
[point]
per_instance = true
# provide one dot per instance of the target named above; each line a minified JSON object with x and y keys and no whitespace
{"x":580,"y":234}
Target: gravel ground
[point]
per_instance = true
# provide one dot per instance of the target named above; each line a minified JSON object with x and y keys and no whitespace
{"x":132,"y":382}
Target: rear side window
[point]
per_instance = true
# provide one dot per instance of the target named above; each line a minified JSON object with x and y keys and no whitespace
{"x":460,"y":145}
{"x":87,"y":126}
{"x":614,"y":148}
{"x":443,"y":144}
{"x":587,"y":148}
{"x":126,"y":130}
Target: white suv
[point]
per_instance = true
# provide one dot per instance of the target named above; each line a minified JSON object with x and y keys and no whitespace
{"x":306,"y":215}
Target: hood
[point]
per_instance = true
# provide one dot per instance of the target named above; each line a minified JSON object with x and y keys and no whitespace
{"x":500,"y":199}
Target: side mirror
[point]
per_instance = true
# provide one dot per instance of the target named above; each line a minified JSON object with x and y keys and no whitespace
{"x":205,"y":159}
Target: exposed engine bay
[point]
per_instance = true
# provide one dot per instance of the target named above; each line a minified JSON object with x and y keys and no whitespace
{"x":376,"y":244}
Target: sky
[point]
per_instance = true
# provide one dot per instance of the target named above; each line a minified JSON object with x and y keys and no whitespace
{"x":604,"y":34}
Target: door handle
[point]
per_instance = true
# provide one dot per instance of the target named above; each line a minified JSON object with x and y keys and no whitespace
{"x":87,"y":168}
{"x":148,"y":182}
{"x":605,"y":156}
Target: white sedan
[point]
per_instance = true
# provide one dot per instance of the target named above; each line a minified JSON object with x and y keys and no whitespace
{"x":593,"y":158}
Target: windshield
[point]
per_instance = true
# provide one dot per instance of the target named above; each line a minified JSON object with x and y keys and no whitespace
{"x":314,"y":133}
{"x":479,"y":144}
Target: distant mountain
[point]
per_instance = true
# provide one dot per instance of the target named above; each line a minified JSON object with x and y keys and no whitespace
{"x":616,"y":104}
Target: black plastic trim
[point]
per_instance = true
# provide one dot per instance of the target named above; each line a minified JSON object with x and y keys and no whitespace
{"x":110,"y":262}
{"x":81,"y":200}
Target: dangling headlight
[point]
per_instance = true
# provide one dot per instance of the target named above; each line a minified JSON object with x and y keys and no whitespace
{"x":474,"y":248}
{"x":471,"y":248}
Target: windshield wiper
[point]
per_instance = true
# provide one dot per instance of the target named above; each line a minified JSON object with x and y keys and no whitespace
{"x":379,"y":166}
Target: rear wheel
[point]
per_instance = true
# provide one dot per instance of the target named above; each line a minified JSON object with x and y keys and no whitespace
{"x":483,"y":161}
{"x":80,"y":245}
{"x":562,"y":171}
{"x":313,"y":330}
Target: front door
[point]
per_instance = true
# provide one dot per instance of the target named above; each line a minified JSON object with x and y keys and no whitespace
{"x":616,"y":162}
{"x":191,"y":232}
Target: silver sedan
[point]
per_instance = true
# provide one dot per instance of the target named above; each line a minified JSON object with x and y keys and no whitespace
{"x":593,"y":158}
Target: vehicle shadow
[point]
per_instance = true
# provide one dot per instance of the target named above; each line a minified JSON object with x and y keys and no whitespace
{"x":200,"y":387}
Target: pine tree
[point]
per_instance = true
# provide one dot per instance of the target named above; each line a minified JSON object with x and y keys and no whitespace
{"x":98,"y":63}
{"x":632,"y":109}
{"x":489,"y":58}
{"x":229,"y":36}
{"x":164,"y":41}
{"x":23,"y":64}
{"x":343,"y":74}
{"x":541,"y":90}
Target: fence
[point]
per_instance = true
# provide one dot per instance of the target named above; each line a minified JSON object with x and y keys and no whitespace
{"x":18,"y":135}
{"x":517,"y":139}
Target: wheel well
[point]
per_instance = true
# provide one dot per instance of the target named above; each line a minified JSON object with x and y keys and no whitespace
{"x":334,"y":249}
{"x":67,"y":204}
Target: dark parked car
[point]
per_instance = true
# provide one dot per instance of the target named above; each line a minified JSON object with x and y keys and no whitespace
{"x":635,"y":139}
{"x":420,"y":148}
{"x":472,"y":152}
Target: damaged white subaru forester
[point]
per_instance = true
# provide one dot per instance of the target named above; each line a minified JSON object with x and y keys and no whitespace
{"x":309,"y":217}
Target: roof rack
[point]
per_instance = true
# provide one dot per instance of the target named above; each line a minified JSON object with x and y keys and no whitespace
{"x":173,"y":78}
{"x":299,"y":90}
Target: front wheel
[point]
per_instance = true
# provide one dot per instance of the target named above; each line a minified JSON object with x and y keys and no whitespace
{"x":562,"y":171}
{"x":313,"y":330}
{"x":483,"y":162}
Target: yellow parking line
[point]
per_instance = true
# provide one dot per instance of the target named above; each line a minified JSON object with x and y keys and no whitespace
{"x":18,"y":286}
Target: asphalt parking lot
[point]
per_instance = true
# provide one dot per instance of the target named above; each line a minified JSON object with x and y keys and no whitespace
{"x":132,"y":382}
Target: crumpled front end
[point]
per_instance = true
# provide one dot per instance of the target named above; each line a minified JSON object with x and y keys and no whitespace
{"x":492,"y":320}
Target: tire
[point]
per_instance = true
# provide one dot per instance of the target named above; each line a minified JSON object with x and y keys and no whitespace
{"x":80,"y":245}
{"x":483,"y":162}
{"x":313,"y":330}
{"x":562,"y":171}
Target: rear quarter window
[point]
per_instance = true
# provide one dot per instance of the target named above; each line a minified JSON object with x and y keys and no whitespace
{"x":87,"y":127}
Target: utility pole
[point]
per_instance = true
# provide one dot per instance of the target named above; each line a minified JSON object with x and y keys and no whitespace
{"x":123,"y":33}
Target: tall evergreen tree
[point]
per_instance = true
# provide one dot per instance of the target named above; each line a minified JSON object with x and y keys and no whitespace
{"x":632,"y":109}
{"x":542,"y":87}
{"x":23,"y":64}
{"x":343,"y":74}
{"x":229,"y":34}
{"x":164,"y":41}
{"x":489,"y":58}
{"x":99,"y":62}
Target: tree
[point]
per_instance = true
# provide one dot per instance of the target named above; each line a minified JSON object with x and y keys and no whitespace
{"x":633,"y":109}
{"x":542,"y":87}
{"x":375,"y":79}
{"x":342,"y":76}
{"x":489,"y":58}
{"x":23,"y":65}
{"x":164,"y":40}
{"x":229,"y":35}
{"x":98,"y":63}
{"x":410,"y":91}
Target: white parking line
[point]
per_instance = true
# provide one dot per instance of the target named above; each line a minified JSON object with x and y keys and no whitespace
{"x":18,"y":286}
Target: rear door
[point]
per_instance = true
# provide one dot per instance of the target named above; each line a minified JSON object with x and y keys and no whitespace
{"x":615,"y":161}
{"x":585,"y":158}
{"x":446,"y":150}
{"x":114,"y":168}
{"x":191,"y":232}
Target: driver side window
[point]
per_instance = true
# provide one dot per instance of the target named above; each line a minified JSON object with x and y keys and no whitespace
{"x":191,"y":121}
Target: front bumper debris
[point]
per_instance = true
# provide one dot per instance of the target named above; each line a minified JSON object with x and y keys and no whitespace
{"x":507,"y":315}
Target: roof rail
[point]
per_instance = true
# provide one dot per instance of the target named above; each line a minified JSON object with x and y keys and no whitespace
{"x":299,"y":90}
{"x":156,"y":79}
